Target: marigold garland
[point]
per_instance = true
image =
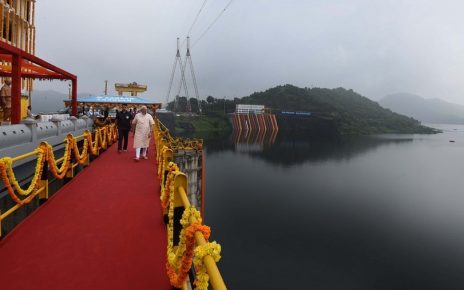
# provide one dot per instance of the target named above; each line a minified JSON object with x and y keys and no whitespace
{"x":80,"y":157}
{"x":93,"y":144}
{"x":181,"y":257}
{"x":60,"y":172}
{"x":212,"y":249}
{"x":45,"y":153}
{"x":35,"y":179}
{"x":165,"y":193}
{"x":7,"y":175}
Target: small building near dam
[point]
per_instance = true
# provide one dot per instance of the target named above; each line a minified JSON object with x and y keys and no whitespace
{"x":249,"y":118}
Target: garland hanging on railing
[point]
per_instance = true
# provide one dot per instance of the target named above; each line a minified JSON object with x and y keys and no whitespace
{"x":45,"y":153}
{"x":81,"y":157}
{"x":35,"y":179}
{"x":180,"y":258}
{"x":60,"y":172}
{"x":11,"y":183}
{"x":212,"y":249}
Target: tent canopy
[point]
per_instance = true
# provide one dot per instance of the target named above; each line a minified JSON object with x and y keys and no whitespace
{"x":114,"y":100}
{"x":17,"y":64}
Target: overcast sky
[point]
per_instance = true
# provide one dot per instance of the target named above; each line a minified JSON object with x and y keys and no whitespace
{"x":375,"y":47}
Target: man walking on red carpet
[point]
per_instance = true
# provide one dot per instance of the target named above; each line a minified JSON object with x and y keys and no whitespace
{"x":123,"y":121}
{"x":143,"y":123}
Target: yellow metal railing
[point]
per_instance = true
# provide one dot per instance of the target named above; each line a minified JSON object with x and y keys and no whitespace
{"x":46,"y":161}
{"x":193,"y":243}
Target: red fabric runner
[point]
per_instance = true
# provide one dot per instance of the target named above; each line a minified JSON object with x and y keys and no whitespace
{"x":103,"y":230}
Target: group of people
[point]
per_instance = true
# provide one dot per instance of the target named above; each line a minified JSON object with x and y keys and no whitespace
{"x":5,"y":100}
{"x":143,"y":123}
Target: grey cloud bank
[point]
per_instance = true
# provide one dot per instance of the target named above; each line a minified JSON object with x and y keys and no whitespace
{"x":374,"y":47}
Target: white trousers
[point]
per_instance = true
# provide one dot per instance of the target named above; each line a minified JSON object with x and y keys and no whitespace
{"x":140,"y":150}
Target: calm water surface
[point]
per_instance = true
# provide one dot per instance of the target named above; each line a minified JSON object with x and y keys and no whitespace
{"x":382,"y":212}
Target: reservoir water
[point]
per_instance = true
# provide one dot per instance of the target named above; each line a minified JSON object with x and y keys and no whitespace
{"x":377,"y":212}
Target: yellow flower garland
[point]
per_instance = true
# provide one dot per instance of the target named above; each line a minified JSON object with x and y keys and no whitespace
{"x":35,"y":179}
{"x":170,"y":252}
{"x":212,"y":249}
{"x":181,"y":256}
{"x":59,"y":172}
{"x":45,"y":153}
{"x":80,"y":157}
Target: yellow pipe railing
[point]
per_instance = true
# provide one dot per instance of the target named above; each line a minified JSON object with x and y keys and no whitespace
{"x":166,"y":145}
{"x":46,"y":152}
{"x":211,"y":267}
{"x":24,"y":156}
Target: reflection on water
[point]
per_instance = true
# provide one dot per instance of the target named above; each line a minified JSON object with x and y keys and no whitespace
{"x":380,"y":212}
{"x":253,"y":141}
{"x":296,"y":149}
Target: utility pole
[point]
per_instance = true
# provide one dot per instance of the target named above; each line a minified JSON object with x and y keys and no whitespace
{"x":106,"y":88}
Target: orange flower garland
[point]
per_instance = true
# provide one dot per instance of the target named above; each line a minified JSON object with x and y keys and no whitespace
{"x":177,"y":276}
{"x":181,"y":257}
{"x":60,"y":172}
{"x":45,"y":153}
{"x":80,"y":157}
{"x":7,"y":174}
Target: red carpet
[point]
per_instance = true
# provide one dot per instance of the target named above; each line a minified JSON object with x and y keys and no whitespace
{"x":103,"y":230}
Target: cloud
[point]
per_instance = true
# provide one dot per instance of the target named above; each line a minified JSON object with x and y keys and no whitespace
{"x":374,"y":47}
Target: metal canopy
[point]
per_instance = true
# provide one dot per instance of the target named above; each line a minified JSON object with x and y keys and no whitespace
{"x":105,"y":100}
{"x":21,"y":64}
{"x":115,"y":100}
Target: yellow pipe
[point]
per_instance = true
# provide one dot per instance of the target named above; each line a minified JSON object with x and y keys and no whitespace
{"x":24,"y":155}
{"x":14,"y":208}
{"x":10,"y":211}
{"x":215,"y":277}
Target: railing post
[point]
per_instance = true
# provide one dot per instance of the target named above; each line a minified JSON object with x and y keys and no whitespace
{"x":43,"y":196}
{"x":70,"y":171}
{"x":87,"y":160}
{"x":180,"y":180}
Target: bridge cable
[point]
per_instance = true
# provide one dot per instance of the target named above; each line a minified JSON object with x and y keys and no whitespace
{"x":196,"y":17}
{"x":212,"y":23}
{"x":194,"y":21}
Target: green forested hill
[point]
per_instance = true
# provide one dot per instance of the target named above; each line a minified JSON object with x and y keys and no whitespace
{"x":353,"y":113}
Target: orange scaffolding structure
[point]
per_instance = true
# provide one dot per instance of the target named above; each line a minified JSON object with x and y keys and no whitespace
{"x":18,"y":64}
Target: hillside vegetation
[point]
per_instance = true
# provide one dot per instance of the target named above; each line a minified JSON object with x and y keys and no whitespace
{"x":353,"y":113}
{"x":350,"y":112}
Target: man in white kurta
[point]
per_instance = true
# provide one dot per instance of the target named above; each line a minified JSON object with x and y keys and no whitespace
{"x":143,"y":123}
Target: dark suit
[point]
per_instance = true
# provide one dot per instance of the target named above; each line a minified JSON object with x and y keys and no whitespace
{"x":123,"y":120}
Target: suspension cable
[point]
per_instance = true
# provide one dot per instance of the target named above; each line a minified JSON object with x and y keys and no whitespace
{"x":196,"y":17}
{"x":212,"y":23}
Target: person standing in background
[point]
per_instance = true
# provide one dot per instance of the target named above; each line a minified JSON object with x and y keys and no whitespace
{"x":5,"y":100}
{"x":29,"y":112}
{"x":123,"y":121}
